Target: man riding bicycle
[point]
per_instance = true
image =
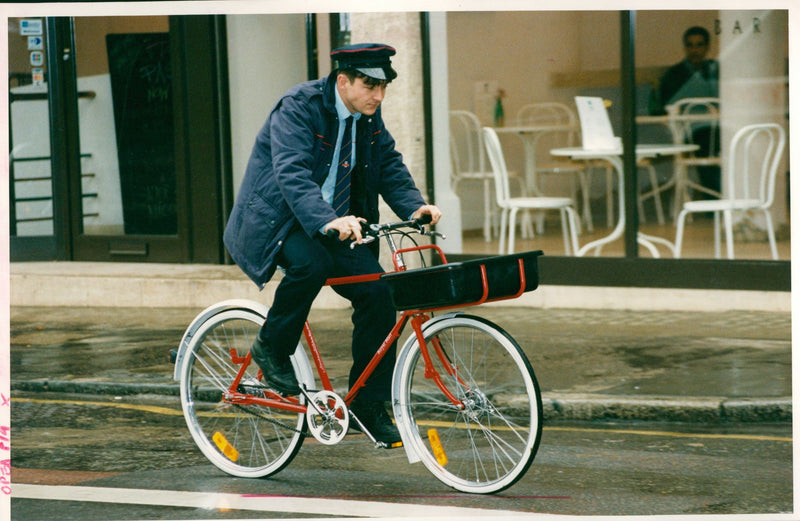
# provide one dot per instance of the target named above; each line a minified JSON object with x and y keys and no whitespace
{"x":316,"y":169}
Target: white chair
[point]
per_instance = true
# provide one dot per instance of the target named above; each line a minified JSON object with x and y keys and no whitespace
{"x":468,"y":163}
{"x":546,"y":114}
{"x":511,"y":205}
{"x":755,"y":154}
{"x":686,"y":117}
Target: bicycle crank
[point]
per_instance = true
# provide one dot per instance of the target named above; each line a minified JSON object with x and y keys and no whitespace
{"x":327,"y":417}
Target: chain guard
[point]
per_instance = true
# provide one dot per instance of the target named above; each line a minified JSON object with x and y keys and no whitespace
{"x":327,"y":417}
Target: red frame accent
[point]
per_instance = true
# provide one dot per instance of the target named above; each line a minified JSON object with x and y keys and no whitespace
{"x":418,"y":318}
{"x":416,"y":248}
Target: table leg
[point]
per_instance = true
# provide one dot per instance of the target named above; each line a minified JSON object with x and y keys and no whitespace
{"x":619,"y":229}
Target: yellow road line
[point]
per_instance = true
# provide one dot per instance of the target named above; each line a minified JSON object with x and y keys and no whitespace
{"x":155,"y":409}
{"x":119,"y":405}
{"x":177,"y":412}
{"x":755,"y":437}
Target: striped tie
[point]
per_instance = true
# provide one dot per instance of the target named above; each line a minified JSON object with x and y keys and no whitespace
{"x":341,"y":194}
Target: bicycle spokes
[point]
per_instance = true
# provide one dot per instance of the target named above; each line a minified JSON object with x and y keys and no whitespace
{"x":471,"y":404}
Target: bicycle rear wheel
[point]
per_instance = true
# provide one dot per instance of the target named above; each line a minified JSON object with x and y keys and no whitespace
{"x":243,"y":440}
{"x":486,"y":444}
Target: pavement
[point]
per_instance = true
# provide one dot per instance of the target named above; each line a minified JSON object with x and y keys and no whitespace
{"x":598,"y":353}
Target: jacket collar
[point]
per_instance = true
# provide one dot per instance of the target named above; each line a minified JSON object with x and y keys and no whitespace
{"x":328,"y":94}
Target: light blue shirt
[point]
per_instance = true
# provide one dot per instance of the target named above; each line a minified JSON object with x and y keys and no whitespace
{"x":330,"y":182}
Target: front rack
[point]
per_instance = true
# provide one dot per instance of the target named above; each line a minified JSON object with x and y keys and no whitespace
{"x":460,"y":284}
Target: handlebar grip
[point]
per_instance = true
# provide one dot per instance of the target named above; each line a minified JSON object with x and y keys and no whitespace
{"x":333,"y":233}
{"x":423,"y":219}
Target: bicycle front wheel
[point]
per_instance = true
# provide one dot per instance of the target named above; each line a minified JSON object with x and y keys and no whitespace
{"x":484,"y":436}
{"x":243,"y":440}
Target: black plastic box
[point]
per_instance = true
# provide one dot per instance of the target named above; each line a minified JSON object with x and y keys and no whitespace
{"x":460,"y":282}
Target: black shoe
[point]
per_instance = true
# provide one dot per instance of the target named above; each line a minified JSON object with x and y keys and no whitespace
{"x":278,"y":374}
{"x":376,"y":420}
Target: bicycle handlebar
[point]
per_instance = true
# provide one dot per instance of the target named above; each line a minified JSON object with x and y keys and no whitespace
{"x":370,"y":232}
{"x":418,"y":223}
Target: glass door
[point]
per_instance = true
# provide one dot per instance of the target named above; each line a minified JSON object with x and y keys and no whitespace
{"x":108,"y":117}
{"x":32,"y":228}
{"x":128,"y":183}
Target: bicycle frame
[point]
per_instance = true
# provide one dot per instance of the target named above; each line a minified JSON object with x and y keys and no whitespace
{"x":464,"y":396}
{"x":417,"y":318}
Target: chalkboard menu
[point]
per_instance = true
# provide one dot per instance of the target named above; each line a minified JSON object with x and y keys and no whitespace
{"x":141,"y":87}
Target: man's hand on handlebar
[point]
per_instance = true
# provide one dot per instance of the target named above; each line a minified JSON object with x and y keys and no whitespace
{"x":358,"y":231}
{"x":347,"y":227}
{"x":429,"y":210}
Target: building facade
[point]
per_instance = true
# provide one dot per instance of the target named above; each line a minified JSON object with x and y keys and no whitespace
{"x":149,"y":119}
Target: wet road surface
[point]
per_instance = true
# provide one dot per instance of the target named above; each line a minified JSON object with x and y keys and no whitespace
{"x":115,"y":445}
{"x":732,"y":354}
{"x":138,"y":444}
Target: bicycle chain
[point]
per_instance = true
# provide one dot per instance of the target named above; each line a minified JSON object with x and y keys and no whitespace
{"x":269,"y":420}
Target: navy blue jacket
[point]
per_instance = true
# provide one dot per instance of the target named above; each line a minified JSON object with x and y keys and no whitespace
{"x":291,"y":159}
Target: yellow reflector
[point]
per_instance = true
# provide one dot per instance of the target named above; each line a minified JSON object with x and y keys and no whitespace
{"x":436,"y":445}
{"x":225,"y":447}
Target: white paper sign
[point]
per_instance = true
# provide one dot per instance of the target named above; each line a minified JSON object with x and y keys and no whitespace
{"x":37,"y":75}
{"x":30,"y":27}
{"x":37,"y":58}
{"x":595,"y":126}
{"x":35,"y":43}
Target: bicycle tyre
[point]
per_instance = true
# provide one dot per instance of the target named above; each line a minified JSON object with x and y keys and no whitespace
{"x":489,"y":445}
{"x":242,"y":440}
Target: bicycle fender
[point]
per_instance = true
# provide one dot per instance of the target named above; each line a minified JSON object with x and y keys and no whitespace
{"x":207,"y":313}
{"x":413,"y":457}
{"x":303,"y":365}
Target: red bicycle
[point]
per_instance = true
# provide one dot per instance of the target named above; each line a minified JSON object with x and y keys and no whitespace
{"x":464,"y":395}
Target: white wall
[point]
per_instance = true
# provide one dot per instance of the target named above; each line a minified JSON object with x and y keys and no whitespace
{"x":754,"y":87}
{"x":519,"y":50}
{"x":266,"y":56}
{"x":98,"y":138}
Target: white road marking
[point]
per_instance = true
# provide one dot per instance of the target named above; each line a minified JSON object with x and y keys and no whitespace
{"x":221,"y":501}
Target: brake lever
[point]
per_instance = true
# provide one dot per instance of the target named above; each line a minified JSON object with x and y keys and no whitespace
{"x":364,"y":240}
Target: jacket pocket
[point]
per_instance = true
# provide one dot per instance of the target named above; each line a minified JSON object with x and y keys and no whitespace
{"x":260,"y":224}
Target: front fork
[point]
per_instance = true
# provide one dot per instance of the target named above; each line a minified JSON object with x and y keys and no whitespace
{"x":430,"y":371}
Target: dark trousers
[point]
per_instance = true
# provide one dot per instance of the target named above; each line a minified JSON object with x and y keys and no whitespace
{"x":307,"y":262}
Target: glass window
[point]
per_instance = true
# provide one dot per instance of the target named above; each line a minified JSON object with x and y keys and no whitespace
{"x":124,"y":76}
{"x":705,"y":77}
{"x":528,"y":98}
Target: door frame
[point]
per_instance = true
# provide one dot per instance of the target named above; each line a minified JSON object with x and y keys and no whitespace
{"x":202,"y":153}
